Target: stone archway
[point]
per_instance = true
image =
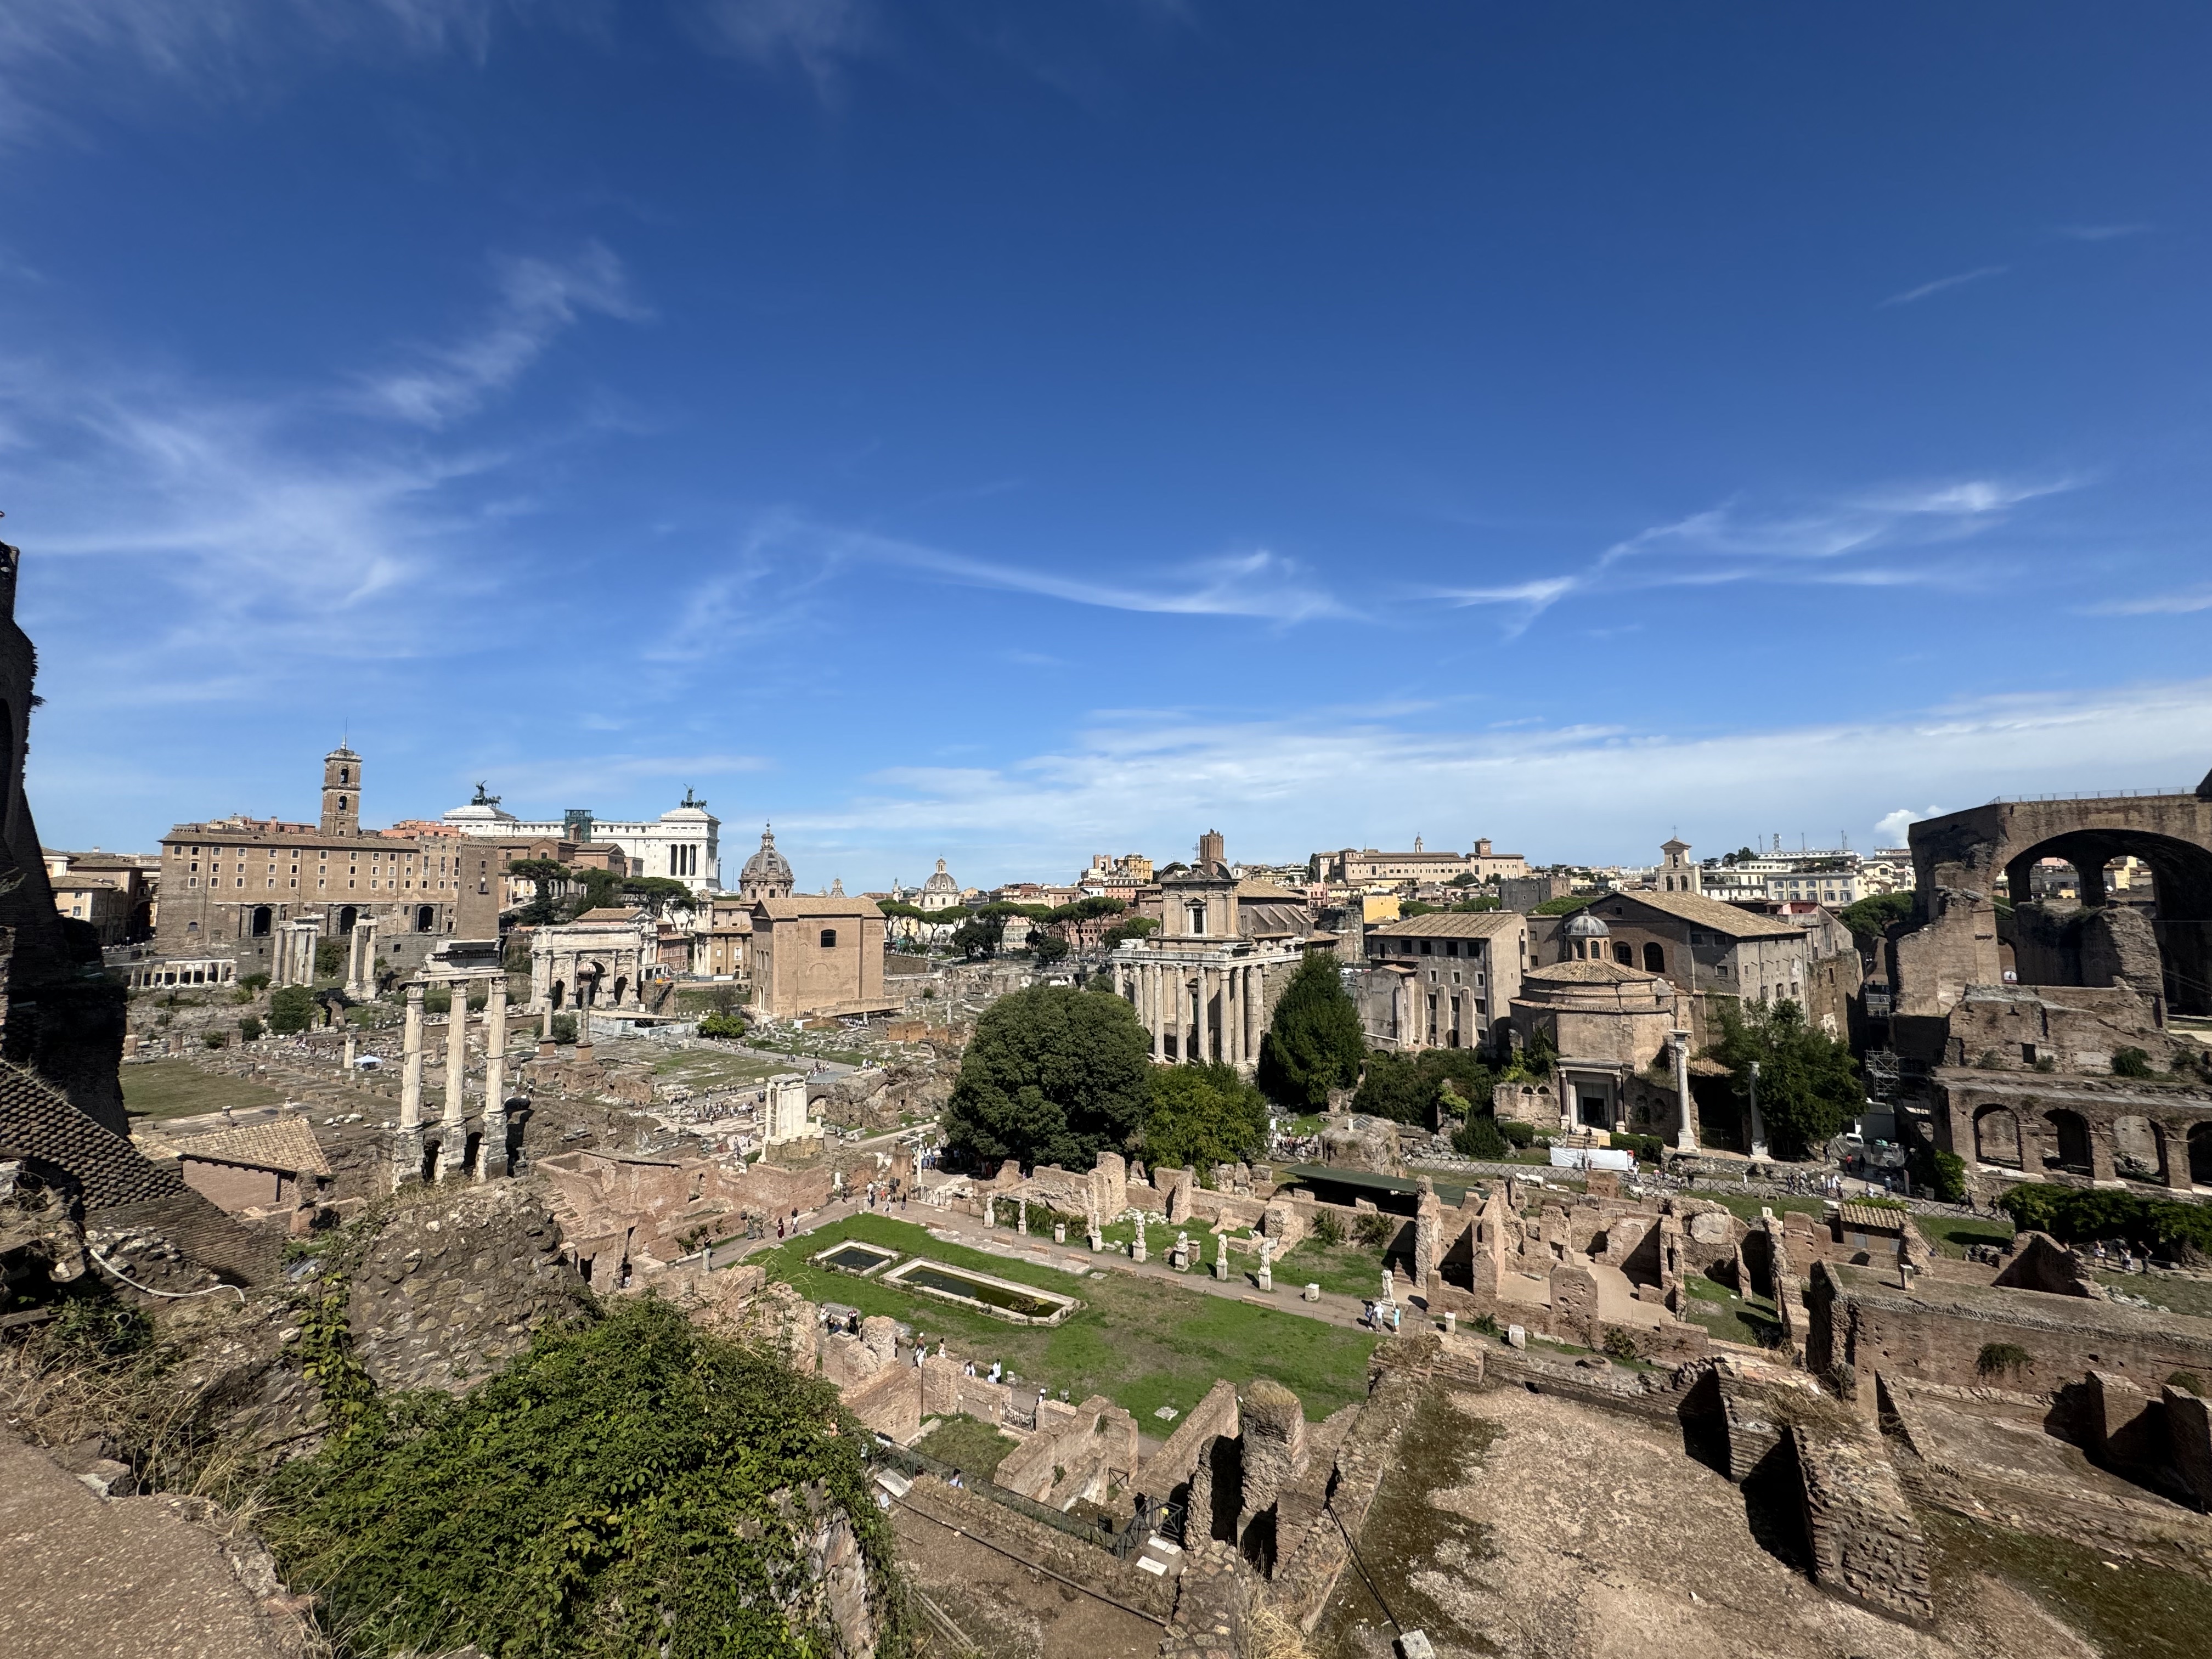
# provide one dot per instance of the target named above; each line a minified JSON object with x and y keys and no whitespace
{"x":2134,"y":1148}
{"x":2072,"y":1147}
{"x":1997,"y":1137}
{"x":2199,"y":1155}
{"x":1963,"y":862}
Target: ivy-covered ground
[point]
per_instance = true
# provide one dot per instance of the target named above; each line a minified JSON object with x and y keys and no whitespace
{"x":629,"y":1488}
{"x":1140,"y":1342}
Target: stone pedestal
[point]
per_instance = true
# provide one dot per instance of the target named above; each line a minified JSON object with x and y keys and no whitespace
{"x":1060,"y":1233}
{"x":1137,"y":1245}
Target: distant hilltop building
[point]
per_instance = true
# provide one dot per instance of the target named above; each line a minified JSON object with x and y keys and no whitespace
{"x":257,"y":895}
{"x":683,"y":844}
{"x":1351,"y":867}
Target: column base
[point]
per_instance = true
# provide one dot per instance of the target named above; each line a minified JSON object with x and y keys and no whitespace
{"x":453,"y":1151}
{"x":491,"y":1154}
{"x":406,"y":1158}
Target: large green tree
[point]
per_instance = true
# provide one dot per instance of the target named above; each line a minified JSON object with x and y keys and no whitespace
{"x":1054,"y":1075}
{"x":1410,"y":1088}
{"x":1808,"y":1084}
{"x":1203,"y":1114}
{"x":1314,"y":1043}
{"x":1871,"y":917}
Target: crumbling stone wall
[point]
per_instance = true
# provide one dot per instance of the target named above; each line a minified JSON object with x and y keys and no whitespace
{"x":1865,"y":1542}
{"x":454,"y":1285}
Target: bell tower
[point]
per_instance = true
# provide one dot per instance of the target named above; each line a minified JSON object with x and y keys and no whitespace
{"x":341,"y":793}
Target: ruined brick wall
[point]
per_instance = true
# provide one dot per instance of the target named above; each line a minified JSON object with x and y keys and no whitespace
{"x":455,"y":1284}
{"x":1213,"y":1417}
{"x":1938,"y":1332}
{"x":1865,"y":1542}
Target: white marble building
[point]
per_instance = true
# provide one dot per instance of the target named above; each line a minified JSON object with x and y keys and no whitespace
{"x":684,"y":843}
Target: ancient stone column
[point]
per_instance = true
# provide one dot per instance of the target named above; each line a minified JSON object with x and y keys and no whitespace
{"x":453,"y":1126}
{"x":1232,"y":1015}
{"x":1685,"y":1137}
{"x":491,"y":1155}
{"x":407,"y":1153}
{"x":1253,"y":977}
{"x":1205,"y":1050}
{"x":546,"y":1047}
{"x":1155,"y":1014}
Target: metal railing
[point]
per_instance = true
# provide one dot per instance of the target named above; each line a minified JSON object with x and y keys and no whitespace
{"x":2095,"y":795}
{"x":1120,"y":1545}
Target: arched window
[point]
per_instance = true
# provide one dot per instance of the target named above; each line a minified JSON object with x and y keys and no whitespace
{"x":1623,"y":953}
{"x":342,"y":803}
{"x":1654,"y":958}
{"x":426,"y":918}
{"x":829,"y":938}
{"x":346,"y":916}
{"x":345,"y":776}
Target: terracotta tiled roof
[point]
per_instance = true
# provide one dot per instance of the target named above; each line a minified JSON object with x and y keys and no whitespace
{"x":1451,"y":924}
{"x":1702,"y":912}
{"x":1589,"y":973}
{"x":286,"y":1144}
{"x":1871,"y":1215}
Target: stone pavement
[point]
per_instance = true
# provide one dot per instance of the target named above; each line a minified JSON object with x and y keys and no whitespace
{"x":122,"y":1578}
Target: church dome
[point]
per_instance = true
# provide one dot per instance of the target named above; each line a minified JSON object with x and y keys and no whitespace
{"x":768,"y":865}
{"x":940,"y":882}
{"x":1583,"y":924}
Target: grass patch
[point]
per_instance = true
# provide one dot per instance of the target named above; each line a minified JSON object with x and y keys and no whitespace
{"x":1141,"y":1343}
{"x":1953,"y":1237}
{"x":173,"y":1088}
{"x":2129,"y":1608}
{"x":1345,"y":1269}
{"x":1749,"y":1320}
{"x":2193,"y":1297}
{"x":973,"y":1447}
{"x":1749,"y":1205}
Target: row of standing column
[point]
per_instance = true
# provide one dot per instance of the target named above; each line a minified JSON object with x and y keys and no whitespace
{"x":453,"y":1127}
{"x":1163,"y":999}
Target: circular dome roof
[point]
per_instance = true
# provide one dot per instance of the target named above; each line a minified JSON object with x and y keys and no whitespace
{"x":1583,"y":924}
{"x":768,"y":864}
{"x":940,"y":882}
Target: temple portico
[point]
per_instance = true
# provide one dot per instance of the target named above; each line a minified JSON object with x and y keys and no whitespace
{"x":463,"y":973}
{"x":1200,"y":987}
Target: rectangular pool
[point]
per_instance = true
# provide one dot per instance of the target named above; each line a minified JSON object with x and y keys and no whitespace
{"x":854,"y":1257}
{"x":1024,"y":1304}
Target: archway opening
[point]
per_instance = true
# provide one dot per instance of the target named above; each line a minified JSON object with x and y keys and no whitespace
{"x":263,"y":918}
{"x":2154,"y":932}
{"x":1997,"y":1137}
{"x":559,"y":992}
{"x":2199,"y":1155}
{"x":426,"y":918}
{"x":2134,"y":1148}
{"x":346,"y":916}
{"x":2070,"y":1136}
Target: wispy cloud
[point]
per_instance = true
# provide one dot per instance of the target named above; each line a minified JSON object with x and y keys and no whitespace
{"x":1942,"y":284}
{"x":784,"y":558}
{"x":2098,"y":233}
{"x":1731,"y":544}
{"x":58,"y":56}
{"x":539,"y":300}
{"x":2183,"y":603}
{"x":820,"y":37}
{"x":1281,"y":788}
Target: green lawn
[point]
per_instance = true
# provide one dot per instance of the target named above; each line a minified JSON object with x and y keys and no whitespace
{"x":1749,"y":1205}
{"x":175,"y":1087}
{"x":1141,"y":1343}
{"x":2191,"y":1297}
{"x":1952,"y":1237}
{"x":974,"y":1448}
{"x":1749,"y":1320}
{"x":1344,"y":1269}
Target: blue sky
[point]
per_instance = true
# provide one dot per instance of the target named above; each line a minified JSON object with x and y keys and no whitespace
{"x":1006,"y":431}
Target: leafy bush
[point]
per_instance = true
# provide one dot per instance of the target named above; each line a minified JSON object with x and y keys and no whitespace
{"x":1564,"y":907}
{"x":1328,"y":1227}
{"x":1940,"y":1173}
{"x":1870,"y":919}
{"x":564,"y":1028}
{"x":1412,"y":1088}
{"x":1649,"y":1149}
{"x":1201,"y":1115}
{"x":215,"y":1039}
{"x":2130,"y":1062}
{"x":291,"y":1008}
{"x":1619,"y":1344}
{"x":2188,"y":1380}
{"x":1375,"y":1229}
{"x":1315,"y":1042}
{"x":1522,"y":1135}
{"x":629,"y":1489}
{"x":1480,"y":1137}
{"x":2077,"y":1215}
{"x":731,"y":1026}
{"x":249,"y":1029}
{"x":2002,"y":1359}
{"x":254,"y":983}
{"x":330,"y":957}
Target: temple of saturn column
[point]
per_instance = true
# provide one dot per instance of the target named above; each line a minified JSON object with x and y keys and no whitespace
{"x":453,"y":1127}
